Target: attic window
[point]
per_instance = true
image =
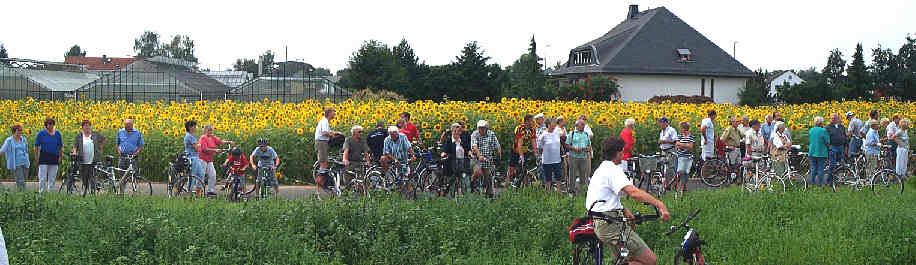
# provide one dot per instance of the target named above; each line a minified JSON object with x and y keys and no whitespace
{"x":583,"y":57}
{"x":684,"y":55}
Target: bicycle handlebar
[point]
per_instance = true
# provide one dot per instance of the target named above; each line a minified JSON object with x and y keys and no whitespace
{"x":683,"y":224}
{"x":638,"y":218}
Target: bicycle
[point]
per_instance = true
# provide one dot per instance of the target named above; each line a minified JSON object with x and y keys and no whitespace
{"x":180,"y":181}
{"x":524,"y":177}
{"x":758,"y":178}
{"x":235,"y":191}
{"x":721,"y":170}
{"x":137,"y":184}
{"x":885,"y":177}
{"x":263,"y":184}
{"x":690,"y":251}
{"x":790,"y":179}
{"x":850,"y":175}
{"x":486,"y":182}
{"x":589,"y":249}
{"x":72,"y":183}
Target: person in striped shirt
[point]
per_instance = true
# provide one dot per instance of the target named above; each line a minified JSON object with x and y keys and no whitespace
{"x":684,"y":151}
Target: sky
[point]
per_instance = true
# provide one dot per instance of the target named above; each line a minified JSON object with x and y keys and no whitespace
{"x":775,"y":34}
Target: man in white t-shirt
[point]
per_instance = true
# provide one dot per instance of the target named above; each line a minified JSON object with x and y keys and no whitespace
{"x":323,"y":134}
{"x":708,"y":136}
{"x":608,"y":184}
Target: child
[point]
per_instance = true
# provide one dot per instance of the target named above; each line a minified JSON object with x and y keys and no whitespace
{"x":239,"y":165}
{"x":266,"y":157}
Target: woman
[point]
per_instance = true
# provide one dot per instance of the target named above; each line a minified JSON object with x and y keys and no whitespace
{"x":818,"y":140}
{"x":88,"y":145}
{"x":902,"y":138}
{"x":16,"y":150}
{"x":455,"y":148}
{"x":48,"y":146}
{"x":628,"y":137}
{"x":549,"y":147}
{"x":684,"y":151}
{"x":872,"y":147}
{"x":209,"y":147}
{"x":779,"y":148}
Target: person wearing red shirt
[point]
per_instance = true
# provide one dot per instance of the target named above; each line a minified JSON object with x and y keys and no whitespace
{"x":238,"y":165}
{"x":409,"y":129}
{"x":208,"y":144}
{"x":627,"y":136}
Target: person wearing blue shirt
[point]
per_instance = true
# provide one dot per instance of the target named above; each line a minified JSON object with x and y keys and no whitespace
{"x":130,"y":143}
{"x":48,"y":146}
{"x":16,"y":150}
{"x":190,"y":148}
{"x":767,"y":130}
{"x":872,"y":147}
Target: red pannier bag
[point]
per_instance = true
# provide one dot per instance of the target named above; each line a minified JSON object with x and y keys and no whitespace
{"x":720,"y":148}
{"x":582,"y":229}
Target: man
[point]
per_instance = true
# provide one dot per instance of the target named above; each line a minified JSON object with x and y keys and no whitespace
{"x":753,"y":140}
{"x":323,"y":134}
{"x":767,"y":129}
{"x":733,"y":141}
{"x":818,"y":141}
{"x":891,"y":130}
{"x":666,"y":140}
{"x":265,"y":156}
{"x":396,"y":148}
{"x":355,"y":153}
{"x":838,"y":141}
{"x":541,"y":127}
{"x":208,"y":148}
{"x":410,"y":130}
{"x":486,"y":149}
{"x":608,"y":184}
{"x":744,"y":126}
{"x":588,"y":130}
{"x":579,"y":145}
{"x":376,"y":139}
{"x":130,"y":143}
{"x":524,"y":143}
{"x":708,"y":134}
{"x":854,"y":135}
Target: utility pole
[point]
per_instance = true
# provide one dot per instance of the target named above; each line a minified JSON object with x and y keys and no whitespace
{"x":735,"y":50}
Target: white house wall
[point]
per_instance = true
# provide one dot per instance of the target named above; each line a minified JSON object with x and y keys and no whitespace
{"x":644,"y":87}
{"x":787,"y":77}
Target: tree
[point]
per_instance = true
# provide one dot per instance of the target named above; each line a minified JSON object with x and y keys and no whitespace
{"x":906,"y":66}
{"x":75,"y":51}
{"x":3,"y":54}
{"x":147,"y":45}
{"x":181,"y":47}
{"x":833,"y":73}
{"x":375,"y":66}
{"x":858,"y":80}
{"x":407,"y":58}
{"x":251,"y":65}
{"x":474,"y":75}
{"x":321,"y":71}
{"x":884,"y":70}
{"x":813,"y":89}
{"x":527,"y":76}
{"x":753,"y":93}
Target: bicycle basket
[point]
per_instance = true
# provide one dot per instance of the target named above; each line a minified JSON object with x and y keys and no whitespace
{"x":581,"y":230}
{"x":647,"y":164}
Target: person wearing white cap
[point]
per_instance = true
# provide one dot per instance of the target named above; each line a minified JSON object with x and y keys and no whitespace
{"x":854,"y":134}
{"x":539,"y":118}
{"x":396,"y":148}
{"x":485,"y":147}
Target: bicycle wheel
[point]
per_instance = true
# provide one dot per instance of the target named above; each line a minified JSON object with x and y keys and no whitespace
{"x":138,"y":186}
{"x":804,"y":166}
{"x":750,"y":181}
{"x":233,"y":192}
{"x":713,"y":173}
{"x":794,"y":182}
{"x":188,"y":187}
{"x":843,"y":179}
{"x":71,"y":185}
{"x":409,"y":188}
{"x":886,"y":181}
{"x":585,"y":253}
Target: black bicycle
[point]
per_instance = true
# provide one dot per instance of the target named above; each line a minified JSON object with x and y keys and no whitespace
{"x":180,"y":181}
{"x":72,"y":183}
{"x":590,"y":250}
{"x":690,"y":251}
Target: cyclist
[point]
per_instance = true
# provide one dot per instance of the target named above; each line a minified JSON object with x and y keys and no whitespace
{"x":754,"y":143}
{"x":854,"y":134}
{"x":396,"y":148}
{"x":524,"y":144}
{"x":684,"y":150}
{"x":355,"y":153}
{"x":779,"y":148}
{"x":666,"y":140}
{"x":265,"y":156}
{"x":239,"y":164}
{"x":608,"y":184}
{"x":190,"y":148}
{"x":733,"y":140}
{"x":486,"y":148}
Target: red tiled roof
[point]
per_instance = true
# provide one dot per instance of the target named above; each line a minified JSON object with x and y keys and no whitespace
{"x":95,"y":63}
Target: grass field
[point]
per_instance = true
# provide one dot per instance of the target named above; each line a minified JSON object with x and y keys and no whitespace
{"x":816,"y":227}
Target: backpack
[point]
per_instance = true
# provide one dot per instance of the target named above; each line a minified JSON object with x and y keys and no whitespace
{"x":336,"y":141}
{"x":582,"y":229}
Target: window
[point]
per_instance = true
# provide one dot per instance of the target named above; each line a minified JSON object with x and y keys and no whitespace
{"x":712,"y":89}
{"x":581,"y":57}
{"x":703,"y":87}
{"x":684,"y":55}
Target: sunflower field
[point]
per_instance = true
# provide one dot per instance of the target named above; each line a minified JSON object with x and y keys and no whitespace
{"x":290,"y":127}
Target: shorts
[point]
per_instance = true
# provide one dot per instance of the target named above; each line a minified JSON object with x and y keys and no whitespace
{"x":553,"y":172}
{"x":609,"y":233}
{"x":684,"y":164}
{"x":321,"y":148}
{"x":513,"y":160}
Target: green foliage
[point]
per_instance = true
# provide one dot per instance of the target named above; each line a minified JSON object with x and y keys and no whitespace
{"x":835,"y":68}
{"x":756,"y":89}
{"x":527,"y":227}
{"x":75,"y":51}
{"x":251,"y":65}
{"x":906,"y":59}
{"x":3,"y":54}
{"x":527,"y":77}
{"x":884,"y":70}
{"x":857,"y":76}
{"x":596,"y":87}
{"x":375,"y":66}
{"x":181,"y":47}
{"x":147,"y":45}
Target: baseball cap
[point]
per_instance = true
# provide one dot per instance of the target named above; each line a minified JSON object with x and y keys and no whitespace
{"x":663,"y":119}
{"x":539,"y":115}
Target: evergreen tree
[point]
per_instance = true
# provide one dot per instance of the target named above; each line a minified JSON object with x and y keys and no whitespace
{"x":75,"y":51}
{"x":858,"y":80}
{"x":884,"y":70}
{"x":834,"y":74}
{"x":3,"y":54}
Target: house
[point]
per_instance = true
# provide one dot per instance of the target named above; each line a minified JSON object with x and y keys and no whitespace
{"x":779,"y":78}
{"x":156,"y":78}
{"x":103,"y":63}
{"x":654,"y":52}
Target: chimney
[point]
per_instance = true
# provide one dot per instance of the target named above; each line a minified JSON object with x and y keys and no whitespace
{"x":634,"y":9}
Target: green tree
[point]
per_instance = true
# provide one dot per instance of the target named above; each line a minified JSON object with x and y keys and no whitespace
{"x":407,"y":58}
{"x":813,"y":89}
{"x":884,"y":70}
{"x":527,"y":76}
{"x":3,"y":54}
{"x":181,"y":47}
{"x":147,"y":45}
{"x":475,"y":77}
{"x":858,"y":79}
{"x":906,"y":65}
{"x":754,"y":91}
{"x":375,"y":66}
{"x":75,"y":51}
{"x":834,"y":74}
{"x":251,"y":65}
{"x":321,"y":71}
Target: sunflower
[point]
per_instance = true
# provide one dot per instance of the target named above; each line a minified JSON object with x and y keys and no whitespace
{"x":427,"y":135}
{"x":300,"y":131}
{"x":438,"y":127}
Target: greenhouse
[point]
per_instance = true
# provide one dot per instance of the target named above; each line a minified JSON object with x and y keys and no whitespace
{"x":153,"y":79}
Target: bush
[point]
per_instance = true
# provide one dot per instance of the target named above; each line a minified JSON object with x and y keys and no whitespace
{"x":528,"y":227}
{"x":597,"y":88}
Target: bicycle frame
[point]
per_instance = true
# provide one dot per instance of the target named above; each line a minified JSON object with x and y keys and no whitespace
{"x":111,"y":172}
{"x":691,"y":248}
